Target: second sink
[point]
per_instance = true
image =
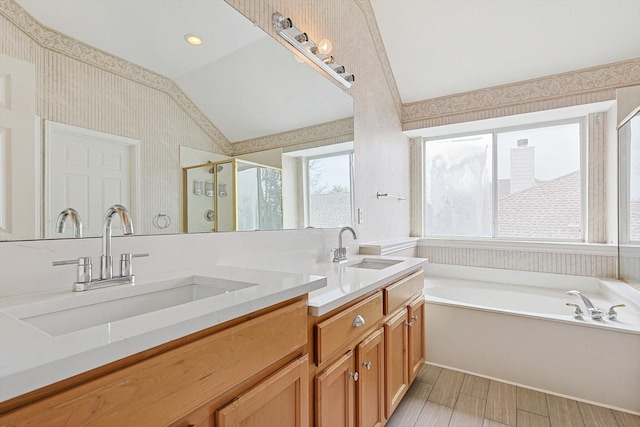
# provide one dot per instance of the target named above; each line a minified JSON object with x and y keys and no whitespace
{"x":375,"y":263}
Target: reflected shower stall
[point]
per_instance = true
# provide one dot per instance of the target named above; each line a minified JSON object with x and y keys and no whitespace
{"x":232,"y":195}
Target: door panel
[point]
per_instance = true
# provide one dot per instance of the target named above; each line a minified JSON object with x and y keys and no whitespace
{"x":396,"y":344}
{"x":416,"y":337}
{"x":335,"y":394}
{"x":370,"y":396}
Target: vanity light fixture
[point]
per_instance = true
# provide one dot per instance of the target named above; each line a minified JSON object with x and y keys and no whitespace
{"x":300,"y":40}
{"x":325,"y":46}
{"x":192,"y":39}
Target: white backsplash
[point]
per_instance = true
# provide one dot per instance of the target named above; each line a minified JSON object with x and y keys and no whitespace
{"x":26,"y":266}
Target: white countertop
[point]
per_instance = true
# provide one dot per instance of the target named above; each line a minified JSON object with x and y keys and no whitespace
{"x":345,"y":283}
{"x":30,"y":358}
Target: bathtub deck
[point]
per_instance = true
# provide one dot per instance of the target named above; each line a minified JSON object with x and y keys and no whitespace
{"x":441,"y":397}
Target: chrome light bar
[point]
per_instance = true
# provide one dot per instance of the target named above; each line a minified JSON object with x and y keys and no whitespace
{"x":300,"y":40}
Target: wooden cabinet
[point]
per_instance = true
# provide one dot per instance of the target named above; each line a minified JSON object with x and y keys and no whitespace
{"x":416,"y":336}
{"x":185,"y":382}
{"x":367,"y":354}
{"x":370,"y":385}
{"x":404,"y":351}
{"x":335,"y":394}
{"x":282,"y":400}
{"x":349,"y":392}
{"x":396,"y":352}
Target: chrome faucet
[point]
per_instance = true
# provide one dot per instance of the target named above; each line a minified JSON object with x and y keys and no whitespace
{"x":594,"y":312}
{"x":340,"y":254}
{"x":73,"y":215}
{"x":106,"y":267}
{"x":83,"y":281}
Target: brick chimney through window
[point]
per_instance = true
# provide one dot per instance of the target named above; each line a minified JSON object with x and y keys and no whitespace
{"x":522,"y":167}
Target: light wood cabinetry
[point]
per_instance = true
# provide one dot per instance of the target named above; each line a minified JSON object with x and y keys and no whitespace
{"x":416,"y":336}
{"x":279,"y":401}
{"x":335,"y":394}
{"x":370,"y":390}
{"x":256,"y":362}
{"x":396,"y":349}
{"x":366,"y":355}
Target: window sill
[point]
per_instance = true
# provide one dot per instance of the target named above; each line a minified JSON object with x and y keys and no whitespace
{"x":528,"y":246}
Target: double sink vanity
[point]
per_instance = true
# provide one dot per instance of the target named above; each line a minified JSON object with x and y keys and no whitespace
{"x":326,"y":344}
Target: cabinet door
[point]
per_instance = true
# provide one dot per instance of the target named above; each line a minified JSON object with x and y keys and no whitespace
{"x":335,"y":394}
{"x":370,"y":384}
{"x":396,"y":345}
{"x":282,"y":400}
{"x":416,"y":337}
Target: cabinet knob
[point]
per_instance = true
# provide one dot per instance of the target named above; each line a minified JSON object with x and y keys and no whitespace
{"x":353,"y":375}
{"x":414,"y":317}
{"x":358,"y":321}
{"x":367,"y":365}
{"x":409,"y":324}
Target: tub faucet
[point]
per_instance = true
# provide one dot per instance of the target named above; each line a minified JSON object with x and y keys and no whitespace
{"x":73,"y":215}
{"x":106,"y":267}
{"x":594,"y":312}
{"x":340,"y":254}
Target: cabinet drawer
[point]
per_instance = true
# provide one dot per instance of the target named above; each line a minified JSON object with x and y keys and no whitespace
{"x":338,"y":330}
{"x":398,"y":294}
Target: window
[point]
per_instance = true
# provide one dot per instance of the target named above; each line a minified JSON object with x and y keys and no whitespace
{"x":329,"y":190}
{"x":523,"y":183}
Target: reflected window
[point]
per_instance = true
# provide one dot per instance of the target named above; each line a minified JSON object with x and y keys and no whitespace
{"x":330,"y":190}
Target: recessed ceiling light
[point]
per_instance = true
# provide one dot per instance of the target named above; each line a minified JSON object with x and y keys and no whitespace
{"x":193,"y":39}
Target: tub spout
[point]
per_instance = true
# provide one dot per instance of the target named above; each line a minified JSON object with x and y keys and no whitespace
{"x":594,"y":312}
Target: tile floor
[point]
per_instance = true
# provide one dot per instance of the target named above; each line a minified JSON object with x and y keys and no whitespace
{"x":444,"y":398}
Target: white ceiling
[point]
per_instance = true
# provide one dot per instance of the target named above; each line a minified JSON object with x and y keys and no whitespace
{"x":443,"y":47}
{"x":244,"y":81}
{"x":435,"y":47}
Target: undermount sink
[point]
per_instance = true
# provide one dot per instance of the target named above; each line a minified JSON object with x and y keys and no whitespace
{"x":124,"y":303}
{"x":375,"y":263}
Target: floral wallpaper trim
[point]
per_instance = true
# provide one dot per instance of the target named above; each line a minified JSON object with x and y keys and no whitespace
{"x":335,"y":131}
{"x":596,"y":81}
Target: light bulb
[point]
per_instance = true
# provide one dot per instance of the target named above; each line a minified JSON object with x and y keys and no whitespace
{"x":325,"y":46}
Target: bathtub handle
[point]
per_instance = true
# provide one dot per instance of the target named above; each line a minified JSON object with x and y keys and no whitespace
{"x":612,"y":313}
{"x":358,"y":321}
{"x":577,"y":312}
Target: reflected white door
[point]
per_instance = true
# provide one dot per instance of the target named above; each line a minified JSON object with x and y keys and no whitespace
{"x":88,"y":171}
{"x":19,"y":156}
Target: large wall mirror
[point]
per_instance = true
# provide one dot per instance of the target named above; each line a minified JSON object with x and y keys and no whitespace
{"x":116,"y":105}
{"x":629,"y":197}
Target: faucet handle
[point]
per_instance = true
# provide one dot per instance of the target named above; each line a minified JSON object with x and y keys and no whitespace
{"x":577,"y":311}
{"x":83,"y":273}
{"x":126,"y":268}
{"x":612,"y":313}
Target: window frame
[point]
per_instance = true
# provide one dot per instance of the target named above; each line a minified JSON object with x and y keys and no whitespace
{"x":580,"y":121}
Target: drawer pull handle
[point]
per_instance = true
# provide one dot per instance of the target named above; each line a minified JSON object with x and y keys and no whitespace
{"x":414,"y":318}
{"x":353,"y":375}
{"x":358,"y":321}
{"x":367,"y":365}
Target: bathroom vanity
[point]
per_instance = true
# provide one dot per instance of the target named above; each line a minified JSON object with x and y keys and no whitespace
{"x":366,"y":353}
{"x":283,"y":347}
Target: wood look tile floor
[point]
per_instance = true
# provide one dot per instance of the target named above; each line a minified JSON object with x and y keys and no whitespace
{"x":444,"y":398}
